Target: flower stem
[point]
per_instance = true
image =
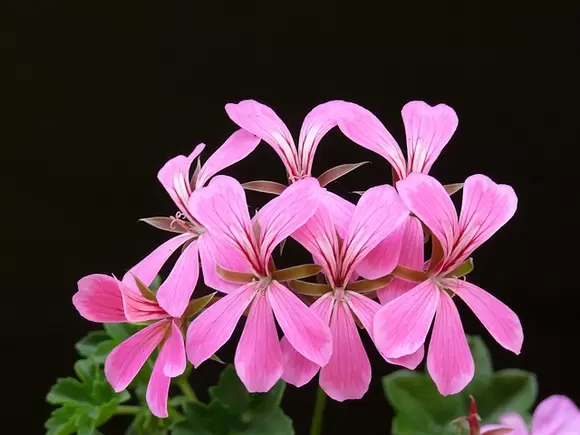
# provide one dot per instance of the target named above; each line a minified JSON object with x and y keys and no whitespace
{"x":186,"y":389}
{"x":127,"y":410}
{"x":316,"y":427}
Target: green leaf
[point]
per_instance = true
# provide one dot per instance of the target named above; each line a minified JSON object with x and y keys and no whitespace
{"x":117,"y":331}
{"x":230,"y":392}
{"x":68,"y":390}
{"x":85,"y":425}
{"x":103,"y":350}
{"x":61,"y":421}
{"x":156,"y":283}
{"x":85,"y":370}
{"x":88,"y":345}
{"x":275,"y":423}
{"x":408,"y":425}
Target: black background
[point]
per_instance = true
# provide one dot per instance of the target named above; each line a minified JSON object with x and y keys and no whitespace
{"x":98,"y":95}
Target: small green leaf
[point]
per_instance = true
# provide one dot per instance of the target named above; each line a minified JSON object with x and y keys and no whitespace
{"x":103,"y":350}
{"x":274,"y":423}
{"x":85,"y":370}
{"x":85,"y":425}
{"x":230,"y":392}
{"x":156,"y":283}
{"x":483,"y":367}
{"x":404,"y":424}
{"x":62,"y":421}
{"x":68,"y":390}
{"x":87,"y":346}
{"x":120,"y":331}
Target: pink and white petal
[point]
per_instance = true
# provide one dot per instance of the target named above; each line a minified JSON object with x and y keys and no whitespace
{"x":149,"y":267}
{"x":400,"y":327}
{"x":556,"y":415}
{"x":501,"y":322}
{"x":449,"y":361}
{"x":428,"y":130}
{"x":498,"y":429}
{"x":412,"y":255}
{"x":298,"y":370}
{"x":515,"y":422}
{"x":411,"y":361}
{"x":174,"y":293}
{"x":317,"y":123}
{"x":258,"y":359}
{"x":305,"y":331}
{"x":364,"y":309}
{"x":215,"y":325}
{"x":365,"y":129}
{"x":348,"y":372}
{"x":138,"y":308}
{"x":214,"y":251}
{"x":429,"y":201}
{"x":173,"y":352}
{"x":262,"y":121}
{"x":174,"y":176}
{"x":158,"y":390}
{"x":341,"y":211}
{"x":384,"y":257}
{"x":378,"y":213}
{"x":99,"y":299}
{"x":235,"y":148}
{"x":486,"y":207}
{"x":286,"y":213}
{"x":125,"y":361}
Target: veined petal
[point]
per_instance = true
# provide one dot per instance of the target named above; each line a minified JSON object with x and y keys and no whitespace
{"x":449,"y":361}
{"x":341,"y":211}
{"x":174,"y":176}
{"x":99,"y":299}
{"x":401,"y":326}
{"x":364,"y":308}
{"x":317,"y":123}
{"x":410,"y":361}
{"x":501,"y":322}
{"x":125,"y":361}
{"x":158,"y":390}
{"x":365,"y":129}
{"x":429,"y":201}
{"x":262,"y":121}
{"x":286,"y":213}
{"x":305,"y":331}
{"x":298,"y":370}
{"x":258,"y":359}
{"x":384,"y":257}
{"x":138,"y":308}
{"x":214,"y":326}
{"x":149,"y":267}
{"x":173,"y":352}
{"x":174,"y":293}
{"x":486,"y":207}
{"x":348,"y":372}
{"x":378,"y":213}
{"x":556,"y":415}
{"x":235,"y":148}
{"x":412,"y":255}
{"x":428,"y":130}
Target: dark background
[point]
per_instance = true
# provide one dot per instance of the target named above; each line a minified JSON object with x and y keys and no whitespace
{"x":99,"y":95}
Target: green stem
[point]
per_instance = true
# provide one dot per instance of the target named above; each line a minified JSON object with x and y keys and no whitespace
{"x":316,"y":427}
{"x":127,"y":410}
{"x":186,"y":389}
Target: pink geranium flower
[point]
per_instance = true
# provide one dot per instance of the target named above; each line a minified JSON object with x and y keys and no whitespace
{"x":104,"y":299}
{"x":221,"y":208}
{"x":556,"y":415}
{"x":348,"y":372}
{"x":428,"y":130}
{"x":176,"y":290}
{"x":401,"y":326}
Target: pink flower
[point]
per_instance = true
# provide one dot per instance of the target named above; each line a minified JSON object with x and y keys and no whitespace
{"x":556,"y":415}
{"x":348,"y":372}
{"x":101,"y":298}
{"x":221,"y":208}
{"x":176,"y":290}
{"x":401,"y":326}
{"x":428,"y":130}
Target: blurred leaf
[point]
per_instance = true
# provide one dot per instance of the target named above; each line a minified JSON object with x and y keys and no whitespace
{"x":156,"y":283}
{"x":68,"y":390}
{"x":87,"y":346}
{"x":61,"y":421}
{"x":483,"y":367}
{"x":230,"y":392}
{"x":408,"y":425}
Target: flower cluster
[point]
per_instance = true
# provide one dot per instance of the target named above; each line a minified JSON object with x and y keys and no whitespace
{"x":368,"y":262}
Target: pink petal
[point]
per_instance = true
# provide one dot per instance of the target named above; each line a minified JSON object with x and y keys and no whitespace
{"x":401,"y":326}
{"x":501,"y":322}
{"x":149,"y":267}
{"x":298,"y":370}
{"x":317,"y":123}
{"x":173,"y":353}
{"x":384,"y":257}
{"x":262,"y":121}
{"x":235,"y":148}
{"x":138,"y":308}
{"x":215,"y":325}
{"x":305,"y":331}
{"x":258,"y":359}
{"x":98,"y":299}
{"x":486,"y":207}
{"x":429,"y":201}
{"x":556,"y":415}
{"x":174,"y":176}
{"x":364,"y":308}
{"x":493,"y":428}
{"x":449,"y":361}
{"x":515,"y":422}
{"x":158,"y":390}
{"x":348,"y":373}
{"x":412,"y":256}
{"x":364,"y":128}
{"x":378,"y":213}
{"x":125,"y":361}
{"x":341,"y":211}
{"x":286,"y":213}
{"x":213,"y":251}
{"x":428,"y":130}
{"x":411,"y":361}
{"x":174,"y":293}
